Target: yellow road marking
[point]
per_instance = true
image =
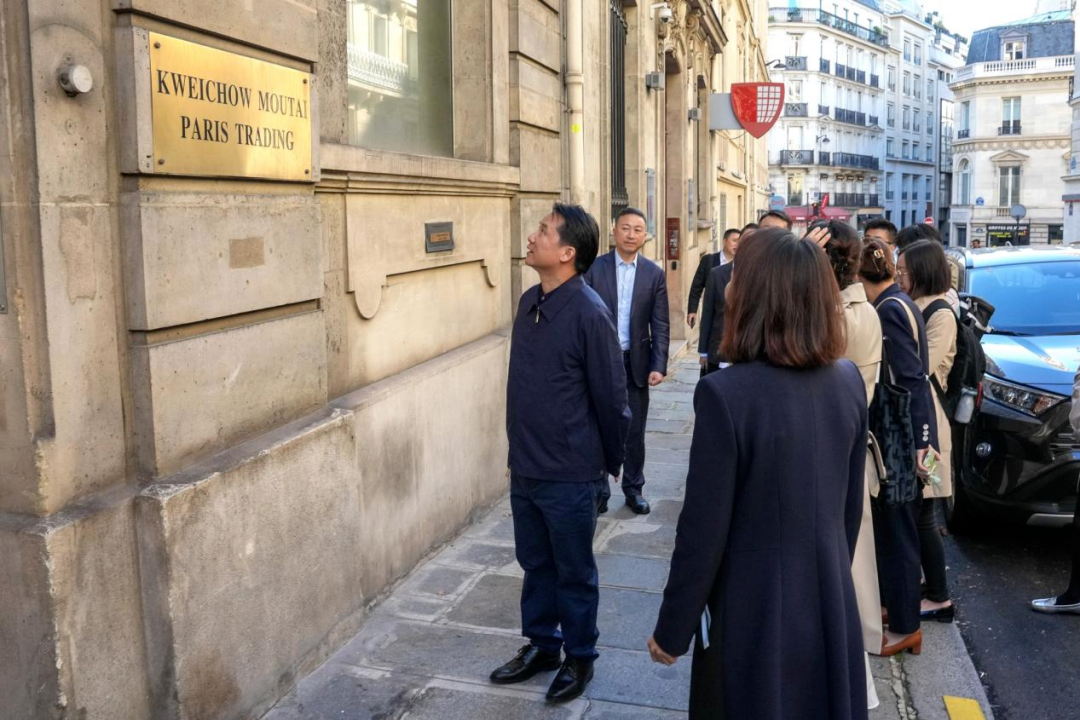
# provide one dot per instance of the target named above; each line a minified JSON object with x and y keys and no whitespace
{"x":963,"y":709}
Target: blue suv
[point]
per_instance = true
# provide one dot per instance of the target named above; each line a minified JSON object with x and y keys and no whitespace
{"x":1019,"y":457}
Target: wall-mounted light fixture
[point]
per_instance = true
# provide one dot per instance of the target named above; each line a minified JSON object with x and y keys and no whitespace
{"x":75,"y":79}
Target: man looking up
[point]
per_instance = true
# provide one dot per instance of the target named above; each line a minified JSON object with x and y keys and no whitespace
{"x":709,"y":262}
{"x":566,"y":423}
{"x":635,"y":290}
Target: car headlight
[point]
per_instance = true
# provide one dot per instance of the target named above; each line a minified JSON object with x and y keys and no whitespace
{"x":1019,"y":397}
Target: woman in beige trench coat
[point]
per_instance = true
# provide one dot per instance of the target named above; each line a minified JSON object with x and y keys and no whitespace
{"x":923,"y":272}
{"x":863,"y":348}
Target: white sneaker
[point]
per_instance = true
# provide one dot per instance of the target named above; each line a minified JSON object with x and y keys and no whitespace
{"x":1050,"y":606}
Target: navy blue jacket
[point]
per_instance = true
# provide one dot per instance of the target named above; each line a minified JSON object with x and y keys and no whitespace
{"x":909,"y":362}
{"x":712,"y":314}
{"x":707,"y":264}
{"x":650,"y":335}
{"x":566,"y":411}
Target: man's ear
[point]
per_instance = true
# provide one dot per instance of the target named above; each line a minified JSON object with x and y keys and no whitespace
{"x":567,"y":254}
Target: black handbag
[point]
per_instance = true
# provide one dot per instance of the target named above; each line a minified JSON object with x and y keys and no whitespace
{"x":890,"y":424}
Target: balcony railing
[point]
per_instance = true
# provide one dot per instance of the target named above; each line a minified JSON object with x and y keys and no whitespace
{"x":1009,"y":127}
{"x":849,"y":116}
{"x":823,"y":109}
{"x":873,"y":119}
{"x":875,"y":81}
{"x":374,"y":69}
{"x":846,"y":26}
{"x":824,"y":158}
{"x":890,"y":194}
{"x":825,"y":66}
{"x":795,"y":199}
{"x":963,"y":134}
{"x":904,"y":195}
{"x":860,"y":76}
{"x":795,"y":110}
{"x":849,"y":160}
{"x":891,"y":121}
{"x":796,"y":157}
{"x":1030,"y":66}
{"x":855,"y":200}
{"x":796,"y":63}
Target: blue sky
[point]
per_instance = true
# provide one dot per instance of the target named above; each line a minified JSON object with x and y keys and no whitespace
{"x":967,"y":16}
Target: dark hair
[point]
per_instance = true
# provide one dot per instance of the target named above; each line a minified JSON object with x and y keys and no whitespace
{"x":882,"y":224}
{"x":729,"y":231}
{"x":927,"y":268}
{"x":877,"y":263}
{"x":914,"y":233}
{"x":782,"y":304}
{"x":845,"y":252}
{"x":631,"y":211}
{"x":749,"y":226}
{"x":779,"y":216}
{"x":579,"y":231}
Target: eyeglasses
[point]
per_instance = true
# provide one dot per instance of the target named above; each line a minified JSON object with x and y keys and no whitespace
{"x":902,"y":273}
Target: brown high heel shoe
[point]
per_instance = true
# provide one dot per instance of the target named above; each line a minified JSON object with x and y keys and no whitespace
{"x":912,"y":643}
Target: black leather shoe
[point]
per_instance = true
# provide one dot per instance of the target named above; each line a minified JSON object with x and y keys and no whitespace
{"x":573,"y":678}
{"x":638,"y":504}
{"x":942,"y":615}
{"x":529,"y":661}
{"x":602,"y":507}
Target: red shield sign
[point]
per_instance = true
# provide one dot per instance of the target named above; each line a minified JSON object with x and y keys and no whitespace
{"x":757,"y":105}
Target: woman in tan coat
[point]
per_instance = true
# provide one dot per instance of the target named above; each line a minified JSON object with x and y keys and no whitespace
{"x":923,"y":273}
{"x":863,"y":347}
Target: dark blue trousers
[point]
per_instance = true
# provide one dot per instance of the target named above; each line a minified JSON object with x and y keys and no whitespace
{"x":554,"y":523}
{"x":633,"y":475}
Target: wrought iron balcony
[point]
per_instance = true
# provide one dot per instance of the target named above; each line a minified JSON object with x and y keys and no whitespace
{"x":872,"y":200}
{"x":846,"y":26}
{"x":904,"y":195}
{"x":795,"y":199}
{"x":849,"y":116}
{"x":825,"y":66}
{"x":793,"y":62}
{"x":850,"y":160}
{"x":873,"y":120}
{"x":963,"y":134}
{"x":1009,"y":127}
{"x":795,"y":110}
{"x":796,"y":157}
{"x":374,"y":69}
{"x":860,"y":76}
{"x":875,"y":81}
{"x":824,"y":158}
{"x":823,"y":109}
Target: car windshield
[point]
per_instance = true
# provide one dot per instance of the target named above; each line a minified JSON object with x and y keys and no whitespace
{"x":1031,"y":298}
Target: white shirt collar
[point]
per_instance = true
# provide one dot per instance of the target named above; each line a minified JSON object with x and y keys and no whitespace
{"x":633,"y":262}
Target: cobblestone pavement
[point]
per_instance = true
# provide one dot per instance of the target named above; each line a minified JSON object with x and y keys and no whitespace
{"x":427,"y":649}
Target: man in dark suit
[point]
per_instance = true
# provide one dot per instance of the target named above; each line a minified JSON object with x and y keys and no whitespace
{"x":712,"y":318}
{"x":708,"y":263}
{"x":565,"y":379}
{"x":635,"y":290}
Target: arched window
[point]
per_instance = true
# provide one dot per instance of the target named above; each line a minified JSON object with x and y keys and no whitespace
{"x":964,"y":195}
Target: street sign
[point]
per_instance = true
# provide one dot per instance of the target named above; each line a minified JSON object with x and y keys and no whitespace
{"x":777,"y":203}
{"x":928,"y":221}
{"x":1018,"y":212}
{"x":979,"y":201}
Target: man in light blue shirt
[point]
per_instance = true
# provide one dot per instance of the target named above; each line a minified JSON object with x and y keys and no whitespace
{"x":634,"y":289}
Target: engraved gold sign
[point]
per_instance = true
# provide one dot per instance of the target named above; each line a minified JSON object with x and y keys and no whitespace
{"x":221,"y":114}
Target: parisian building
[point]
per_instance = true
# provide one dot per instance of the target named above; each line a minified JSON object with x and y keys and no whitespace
{"x":948,"y":52}
{"x":258,"y":262}
{"x":1013,"y":143}
{"x":1071,"y":198}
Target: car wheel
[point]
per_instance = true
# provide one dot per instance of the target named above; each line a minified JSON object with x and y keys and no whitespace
{"x":960,"y":514}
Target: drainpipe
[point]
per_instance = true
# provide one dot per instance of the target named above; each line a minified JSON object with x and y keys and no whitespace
{"x":575,"y":96}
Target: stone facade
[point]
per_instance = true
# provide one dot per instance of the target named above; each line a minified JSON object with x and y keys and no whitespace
{"x":236,"y":411}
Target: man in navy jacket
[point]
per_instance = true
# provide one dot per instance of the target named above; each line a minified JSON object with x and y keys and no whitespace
{"x":566,"y":423}
{"x":635,"y":290}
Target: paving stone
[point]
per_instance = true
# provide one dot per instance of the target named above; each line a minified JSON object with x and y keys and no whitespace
{"x":642,"y":540}
{"x":661,"y":441}
{"x":416,"y":608}
{"x":495,"y":602}
{"x":437,"y":581}
{"x":332,"y":692}
{"x":632,"y":572}
{"x":599,"y":710}
{"x":497,"y":526}
{"x":439,"y":703}
{"x":632,"y":678}
{"x":479,"y":554}
{"x":666,"y":511}
{"x":626,"y":617}
{"x":658,"y":425}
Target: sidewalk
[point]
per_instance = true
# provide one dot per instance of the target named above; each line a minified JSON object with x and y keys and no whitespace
{"x":426,"y":651}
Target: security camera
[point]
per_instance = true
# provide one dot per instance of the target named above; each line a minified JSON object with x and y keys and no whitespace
{"x":666,"y":14}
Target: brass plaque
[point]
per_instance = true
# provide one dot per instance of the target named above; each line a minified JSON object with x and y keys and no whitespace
{"x":221,"y":114}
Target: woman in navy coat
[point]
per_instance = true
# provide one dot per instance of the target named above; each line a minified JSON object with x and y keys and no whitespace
{"x":761,"y":572}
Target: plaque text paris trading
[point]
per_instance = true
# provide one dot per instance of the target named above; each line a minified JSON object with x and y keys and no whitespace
{"x":221,"y":114}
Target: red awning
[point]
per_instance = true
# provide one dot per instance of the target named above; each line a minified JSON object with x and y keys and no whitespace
{"x":835,"y":213}
{"x":804,"y":214}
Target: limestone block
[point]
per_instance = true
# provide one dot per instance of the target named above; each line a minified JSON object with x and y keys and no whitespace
{"x":289,"y":27}
{"x":535,"y":95}
{"x":71,"y":615}
{"x":538,"y":154}
{"x":86,"y":452}
{"x":197,"y":395}
{"x":72,"y":134}
{"x":192,"y":256}
{"x":528,"y":212}
{"x":259,"y":562}
{"x":331,"y":72}
{"x":535,"y":32}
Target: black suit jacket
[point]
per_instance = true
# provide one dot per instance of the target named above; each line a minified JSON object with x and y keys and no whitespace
{"x":649,"y":327}
{"x":712,"y":314}
{"x":708,"y":262}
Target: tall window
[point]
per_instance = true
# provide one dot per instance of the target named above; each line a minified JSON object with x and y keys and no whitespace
{"x":619,"y":197}
{"x":918,"y":86}
{"x":907,"y":117}
{"x":905,"y":150}
{"x":1010,"y":116}
{"x":964,"y":195}
{"x":890,"y":148}
{"x":918,"y":54}
{"x":890,"y":75}
{"x":1009,"y":186}
{"x":1013,"y":50}
{"x":890,"y":114}
{"x":795,"y":189}
{"x":400,"y":76}
{"x":965,"y":116}
{"x":907,"y":84}
{"x":907,"y":50}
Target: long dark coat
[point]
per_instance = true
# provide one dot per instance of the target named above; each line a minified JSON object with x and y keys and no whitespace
{"x":765,"y":539}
